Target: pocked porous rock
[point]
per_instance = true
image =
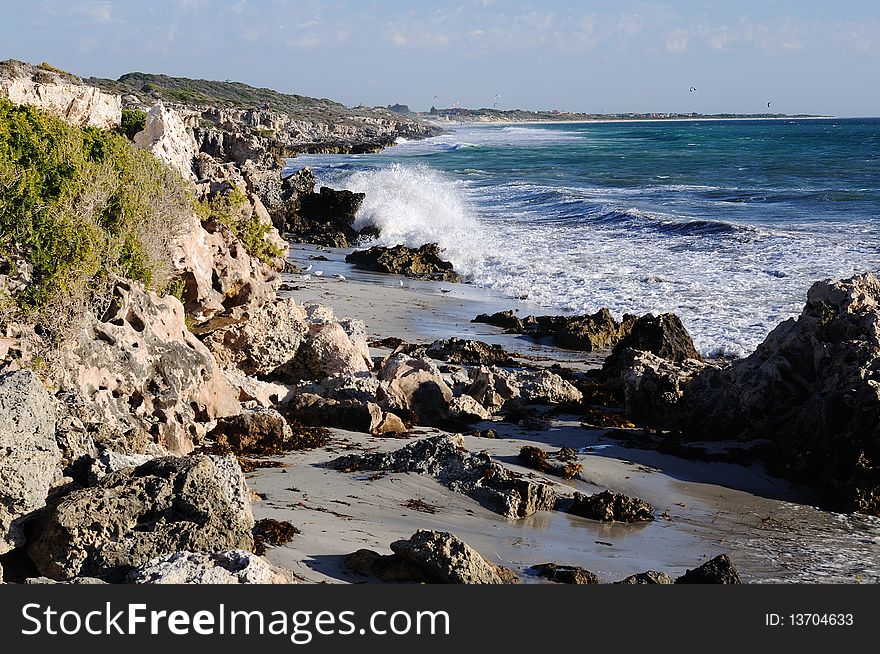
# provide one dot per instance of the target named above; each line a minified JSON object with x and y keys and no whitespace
{"x":609,"y":507}
{"x":130,"y":517}
{"x":719,"y":570}
{"x":813,"y":387}
{"x":265,"y":343}
{"x":168,"y":138}
{"x":141,"y":368}
{"x":469,"y":352}
{"x":59,"y":93}
{"x":28,"y":452}
{"x":474,"y":475}
{"x":495,"y":387}
{"x":330,"y":347}
{"x":431,"y":557}
{"x":232,"y":567}
{"x":598,"y":331}
{"x":422,"y":263}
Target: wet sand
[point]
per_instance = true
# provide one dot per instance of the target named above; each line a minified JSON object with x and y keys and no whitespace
{"x":766,"y":525}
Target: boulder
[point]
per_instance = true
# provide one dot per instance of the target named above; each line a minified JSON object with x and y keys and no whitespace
{"x":467,"y":409}
{"x":329,"y":350}
{"x":719,"y":570}
{"x":431,"y":557}
{"x":415,"y":388}
{"x":565,"y":574}
{"x":30,"y":455}
{"x":231,"y":567}
{"x":265,"y":343}
{"x":250,"y":428}
{"x":652,"y":387}
{"x":469,"y":352}
{"x":130,"y":517}
{"x":664,"y":336}
{"x":494,"y":387}
{"x":349,"y":414}
{"x":813,"y":386}
{"x":168,"y":138}
{"x":610,"y":507}
{"x":253,"y":390}
{"x":650,"y":577}
{"x":422,"y":263}
{"x":141,"y":369}
{"x":599,"y":331}
{"x":475,"y":475}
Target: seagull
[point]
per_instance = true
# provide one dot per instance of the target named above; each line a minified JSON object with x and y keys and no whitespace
{"x":445,"y":290}
{"x":319,"y":273}
{"x":341,"y":278}
{"x":309,"y":268}
{"x":306,"y":278}
{"x":401,"y":283}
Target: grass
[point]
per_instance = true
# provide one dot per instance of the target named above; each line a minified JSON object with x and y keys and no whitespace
{"x":80,"y":206}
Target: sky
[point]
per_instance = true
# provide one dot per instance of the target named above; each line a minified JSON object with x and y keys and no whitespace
{"x":804,"y":56}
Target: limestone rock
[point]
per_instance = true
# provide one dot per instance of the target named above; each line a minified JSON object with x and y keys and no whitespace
{"x":475,"y":475}
{"x":265,"y":343}
{"x":251,"y":389}
{"x":431,"y":557}
{"x":132,"y":516}
{"x":141,"y":368}
{"x":168,"y":138}
{"x":60,"y":93}
{"x":719,"y":570}
{"x":650,"y":577}
{"x":664,"y":336}
{"x":422,"y":263}
{"x":231,"y":567}
{"x":587,"y":333}
{"x":813,"y":386}
{"x":611,"y":507}
{"x":466,"y":408}
{"x":416,"y":388}
{"x":469,"y":352}
{"x":494,"y":387}
{"x":566,"y":574}
{"x":28,"y":452}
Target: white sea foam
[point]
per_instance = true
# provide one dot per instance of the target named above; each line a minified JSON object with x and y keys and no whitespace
{"x":579,"y":249}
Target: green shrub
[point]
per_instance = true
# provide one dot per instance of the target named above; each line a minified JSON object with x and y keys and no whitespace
{"x":82,"y":205}
{"x":229,"y":208}
{"x":133,"y":121}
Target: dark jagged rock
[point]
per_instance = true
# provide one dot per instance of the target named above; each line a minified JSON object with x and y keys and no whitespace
{"x":609,"y":507}
{"x":430,"y":557}
{"x":562,"y":464}
{"x":324,"y":218}
{"x":194,"y":503}
{"x":663,"y":335}
{"x":422,"y":263}
{"x":475,"y":475}
{"x":566,"y":574}
{"x":585,"y":333}
{"x":813,"y":386}
{"x":719,"y":570}
{"x":649,"y":577}
{"x":264,"y":432}
{"x":467,"y":352}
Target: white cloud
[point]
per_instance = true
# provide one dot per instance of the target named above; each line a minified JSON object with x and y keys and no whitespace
{"x":677,"y":41}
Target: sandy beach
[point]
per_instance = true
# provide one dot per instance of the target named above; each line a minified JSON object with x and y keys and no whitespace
{"x":766,"y":525}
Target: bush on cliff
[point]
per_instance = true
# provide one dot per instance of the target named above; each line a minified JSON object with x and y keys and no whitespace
{"x":133,"y":121}
{"x":77,"y":207}
{"x":230,"y":208}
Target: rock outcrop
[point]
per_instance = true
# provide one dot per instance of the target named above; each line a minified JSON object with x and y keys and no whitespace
{"x":431,"y":557}
{"x":143,"y":371}
{"x":813,"y":387}
{"x":169,"y":139}
{"x":719,"y":570}
{"x":422,"y":263}
{"x":232,"y":567}
{"x":414,"y":388}
{"x":475,"y":475}
{"x":28,"y":452}
{"x":599,"y":331}
{"x":664,"y":336}
{"x":610,"y":507}
{"x":60,"y":93}
{"x":647,"y":578}
{"x":130,"y":517}
{"x":565,"y":574}
{"x":495,"y":387}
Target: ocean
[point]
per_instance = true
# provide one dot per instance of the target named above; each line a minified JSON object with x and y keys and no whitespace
{"x":726,"y":223}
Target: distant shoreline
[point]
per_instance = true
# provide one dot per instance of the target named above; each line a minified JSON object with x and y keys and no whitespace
{"x":584,"y":121}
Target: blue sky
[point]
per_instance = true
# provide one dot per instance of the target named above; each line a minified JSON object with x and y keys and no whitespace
{"x":804,"y":56}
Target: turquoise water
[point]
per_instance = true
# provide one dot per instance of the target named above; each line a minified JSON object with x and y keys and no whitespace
{"x":726,"y":223}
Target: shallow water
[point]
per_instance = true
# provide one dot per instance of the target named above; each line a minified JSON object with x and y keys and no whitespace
{"x":726,"y":223}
